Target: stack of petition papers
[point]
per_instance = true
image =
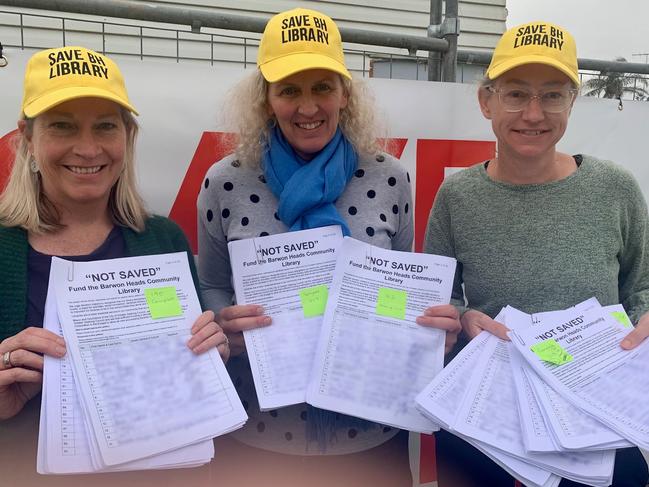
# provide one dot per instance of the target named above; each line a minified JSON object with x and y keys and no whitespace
{"x":491,"y":396}
{"x":129,"y":394}
{"x":343,"y":336}
{"x":579,"y":357}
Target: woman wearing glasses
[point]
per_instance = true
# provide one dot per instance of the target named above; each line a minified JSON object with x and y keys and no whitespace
{"x":536,"y":228}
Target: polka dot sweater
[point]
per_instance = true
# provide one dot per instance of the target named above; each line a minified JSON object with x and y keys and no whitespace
{"x":234,"y":203}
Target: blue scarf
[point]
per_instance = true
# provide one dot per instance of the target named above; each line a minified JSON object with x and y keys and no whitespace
{"x":307,"y":190}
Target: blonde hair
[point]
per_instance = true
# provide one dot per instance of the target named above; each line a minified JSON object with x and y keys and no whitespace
{"x":247,"y":112}
{"x":24,"y":204}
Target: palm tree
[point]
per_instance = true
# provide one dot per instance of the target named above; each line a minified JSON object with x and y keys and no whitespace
{"x":610,"y":84}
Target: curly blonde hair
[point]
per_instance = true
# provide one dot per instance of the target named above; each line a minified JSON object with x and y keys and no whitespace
{"x":246,"y":111}
{"x":24,"y":204}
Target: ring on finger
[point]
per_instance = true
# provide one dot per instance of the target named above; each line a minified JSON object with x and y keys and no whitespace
{"x":6,"y":360}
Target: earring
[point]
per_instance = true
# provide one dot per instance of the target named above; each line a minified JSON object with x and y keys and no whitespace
{"x":33,"y":165}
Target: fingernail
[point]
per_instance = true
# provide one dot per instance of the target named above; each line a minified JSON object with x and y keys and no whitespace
{"x":266,"y":320}
{"x":260,"y":310}
{"x":60,"y":351}
{"x":626,"y":343}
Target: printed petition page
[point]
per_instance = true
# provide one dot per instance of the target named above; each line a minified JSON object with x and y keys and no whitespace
{"x":372,"y":358}
{"x":595,"y":373}
{"x":289,"y":275}
{"x":126,"y":323}
{"x":63,"y":437}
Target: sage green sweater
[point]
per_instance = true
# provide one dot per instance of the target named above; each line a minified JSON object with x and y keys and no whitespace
{"x":160,"y":236}
{"x":541,"y":247}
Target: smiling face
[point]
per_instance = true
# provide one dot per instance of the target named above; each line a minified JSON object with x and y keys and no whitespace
{"x":79,"y":147}
{"x":307,"y":108}
{"x":530,"y":133}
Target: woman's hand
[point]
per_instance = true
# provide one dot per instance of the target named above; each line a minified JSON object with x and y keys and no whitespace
{"x":638,"y":334}
{"x":473,"y":322}
{"x":208,"y":334}
{"x":235,"y":319}
{"x":445,"y":317}
{"x":21,"y":366}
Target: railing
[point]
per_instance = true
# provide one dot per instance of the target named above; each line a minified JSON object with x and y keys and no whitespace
{"x":181,"y":44}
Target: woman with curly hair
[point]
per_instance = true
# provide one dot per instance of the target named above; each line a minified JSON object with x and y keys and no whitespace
{"x":307,"y":157}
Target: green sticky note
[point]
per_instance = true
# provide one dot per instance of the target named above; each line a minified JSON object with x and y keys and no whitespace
{"x":551,"y":351}
{"x":163,"y":302}
{"x":391,"y":303}
{"x":314,"y":300}
{"x":622,"y":318}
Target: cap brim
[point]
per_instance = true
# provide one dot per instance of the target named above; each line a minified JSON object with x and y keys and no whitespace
{"x":50,"y":100}
{"x":285,"y":66}
{"x":535,"y":59}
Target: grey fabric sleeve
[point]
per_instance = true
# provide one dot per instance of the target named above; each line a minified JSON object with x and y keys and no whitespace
{"x":634,"y":259}
{"x":439,"y":240}
{"x":214,"y":260}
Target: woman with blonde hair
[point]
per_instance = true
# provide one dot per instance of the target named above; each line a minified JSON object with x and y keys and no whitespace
{"x":71,"y":193}
{"x":536,"y":228}
{"x":307,"y":157}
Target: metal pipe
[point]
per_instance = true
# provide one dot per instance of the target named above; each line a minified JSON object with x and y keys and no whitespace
{"x":484,"y":58}
{"x":434,"y":58}
{"x":449,"y":58}
{"x":141,"y":10}
{"x":171,"y":14}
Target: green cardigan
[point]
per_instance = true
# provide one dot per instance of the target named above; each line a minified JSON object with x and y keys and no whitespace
{"x":160,"y":236}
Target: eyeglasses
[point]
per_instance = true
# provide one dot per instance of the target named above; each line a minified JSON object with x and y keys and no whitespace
{"x":552,"y":101}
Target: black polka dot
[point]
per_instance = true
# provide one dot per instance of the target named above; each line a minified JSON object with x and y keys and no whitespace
{"x":380,"y":158}
{"x":371,"y":193}
{"x":235,"y":163}
{"x":263,"y":234}
{"x":207,"y":183}
{"x":261,"y":426}
{"x":370,"y":231}
{"x":273,"y":413}
{"x":245,"y":405}
{"x":254,"y":198}
{"x":359,"y":173}
{"x":262,"y":178}
{"x":228,"y":186}
{"x":245,"y":221}
{"x":288,"y":436}
{"x":352,"y":433}
{"x":383,"y":217}
{"x":408,"y":176}
{"x":276,"y":216}
{"x":210,"y":215}
{"x":395,"y":209}
{"x":225,"y":213}
{"x":405,"y":208}
{"x":392,"y":181}
{"x":303,"y":415}
{"x":352,"y":210}
{"x":387,"y":429}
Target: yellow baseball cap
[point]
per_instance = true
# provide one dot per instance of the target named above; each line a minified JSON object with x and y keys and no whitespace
{"x":297,"y":40}
{"x":535,"y":42}
{"x":64,"y":73}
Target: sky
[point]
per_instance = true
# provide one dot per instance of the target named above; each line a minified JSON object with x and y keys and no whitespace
{"x":603,"y":29}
